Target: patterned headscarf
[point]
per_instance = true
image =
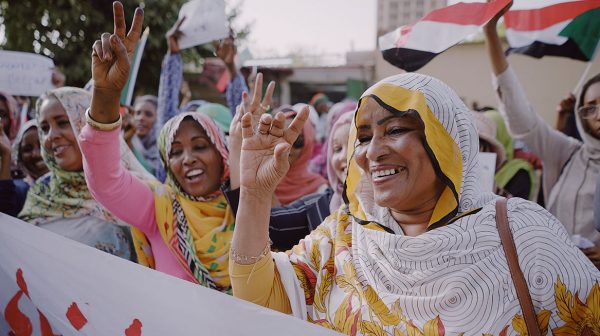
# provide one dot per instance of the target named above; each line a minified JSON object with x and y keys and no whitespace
{"x":13,"y":114}
{"x":197,"y":230}
{"x":64,"y":194}
{"x":17,"y":148}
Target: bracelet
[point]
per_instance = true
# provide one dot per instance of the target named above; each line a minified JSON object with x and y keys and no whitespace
{"x":102,"y":126}
{"x":248,"y":260}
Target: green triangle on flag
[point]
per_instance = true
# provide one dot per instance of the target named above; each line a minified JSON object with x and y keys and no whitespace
{"x":584,"y":30}
{"x":127,"y":92}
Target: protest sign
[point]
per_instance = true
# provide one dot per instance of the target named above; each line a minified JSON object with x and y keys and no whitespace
{"x":487,"y":162}
{"x":25,"y":74}
{"x":53,"y":285}
{"x":205,"y":21}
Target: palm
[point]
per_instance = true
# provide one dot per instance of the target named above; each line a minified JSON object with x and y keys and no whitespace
{"x":259,"y":168}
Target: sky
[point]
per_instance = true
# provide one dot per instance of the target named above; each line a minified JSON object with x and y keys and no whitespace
{"x":309,"y":27}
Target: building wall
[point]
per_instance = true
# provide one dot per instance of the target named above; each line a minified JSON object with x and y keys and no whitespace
{"x":392,"y":14}
{"x":466,"y":69}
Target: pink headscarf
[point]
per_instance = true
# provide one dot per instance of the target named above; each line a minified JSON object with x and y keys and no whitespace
{"x":13,"y":115}
{"x":299,"y":182}
{"x":336,"y":184}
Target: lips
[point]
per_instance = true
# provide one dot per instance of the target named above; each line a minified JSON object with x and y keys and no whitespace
{"x":59,"y":150}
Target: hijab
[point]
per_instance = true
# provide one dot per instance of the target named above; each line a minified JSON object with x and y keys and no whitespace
{"x":220,"y":114}
{"x":13,"y":114}
{"x":146,"y":145}
{"x":345,"y":120}
{"x":17,"y":148}
{"x":197,"y":230}
{"x":299,"y":181}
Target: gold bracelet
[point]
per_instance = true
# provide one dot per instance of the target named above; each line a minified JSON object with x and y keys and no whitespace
{"x":102,"y":126}
{"x":248,"y":260}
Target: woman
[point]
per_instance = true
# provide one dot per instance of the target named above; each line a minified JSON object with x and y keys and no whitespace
{"x":571,"y":167}
{"x":187,"y":220}
{"x":299,"y":181}
{"x":337,"y":149}
{"x":416,"y":250}
{"x":26,"y":149}
{"x":9,"y":115}
{"x":60,"y":201}
{"x":146,"y":129}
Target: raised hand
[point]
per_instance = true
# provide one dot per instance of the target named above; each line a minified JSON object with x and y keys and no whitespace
{"x":173,"y":35}
{"x":256,"y":108}
{"x":265,"y":151}
{"x":491,"y":25}
{"x":113,"y":53}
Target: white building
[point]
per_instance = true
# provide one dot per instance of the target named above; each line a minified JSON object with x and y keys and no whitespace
{"x":392,"y":14}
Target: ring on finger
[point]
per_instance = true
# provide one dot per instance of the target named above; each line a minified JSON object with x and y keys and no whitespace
{"x":263,"y":132}
{"x":266,"y":108}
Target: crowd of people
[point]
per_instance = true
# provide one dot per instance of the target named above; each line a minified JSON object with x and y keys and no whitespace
{"x":361,"y":216}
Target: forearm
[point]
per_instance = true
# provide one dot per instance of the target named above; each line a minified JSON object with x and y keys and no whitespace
{"x":105,"y":105}
{"x":168,"y":90}
{"x":251,"y":232}
{"x":112,"y":185}
{"x":494,"y":49}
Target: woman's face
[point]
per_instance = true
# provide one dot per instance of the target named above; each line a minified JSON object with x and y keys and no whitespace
{"x":195,"y":161}
{"x":592,"y":97}
{"x":144,"y":118}
{"x":30,"y":154}
{"x":339,"y":142}
{"x":390,"y":151}
{"x":58,"y":137}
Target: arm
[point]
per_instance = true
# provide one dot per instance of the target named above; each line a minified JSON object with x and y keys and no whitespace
{"x":226,"y":51}
{"x":112,"y":185}
{"x":553,"y":147}
{"x":171,"y":75}
{"x":12,"y":196}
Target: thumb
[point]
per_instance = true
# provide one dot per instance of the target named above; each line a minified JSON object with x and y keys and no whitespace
{"x":281,"y":154}
{"x":120,"y":52}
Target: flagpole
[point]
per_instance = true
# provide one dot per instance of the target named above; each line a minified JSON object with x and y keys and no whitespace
{"x":586,"y":71}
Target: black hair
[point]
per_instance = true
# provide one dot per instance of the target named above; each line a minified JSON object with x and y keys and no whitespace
{"x":586,"y":86}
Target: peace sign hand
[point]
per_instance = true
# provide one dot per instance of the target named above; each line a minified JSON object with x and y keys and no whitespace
{"x":265,"y":151}
{"x":112,"y":54}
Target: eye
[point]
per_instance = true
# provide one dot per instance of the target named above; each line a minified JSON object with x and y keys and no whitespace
{"x":64,"y":123}
{"x":175,"y":152}
{"x":364,"y":139}
{"x":200,"y":147}
{"x":337,"y":149}
{"x":397,"y":130}
{"x":44,"y":128}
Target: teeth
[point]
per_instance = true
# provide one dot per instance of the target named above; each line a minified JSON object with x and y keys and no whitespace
{"x":386,"y":172}
{"x":194,"y":173}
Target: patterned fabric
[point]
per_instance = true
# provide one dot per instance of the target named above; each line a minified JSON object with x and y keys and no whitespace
{"x":361,"y":275}
{"x":197,"y":230}
{"x":234,"y":91}
{"x":219,"y":114}
{"x":64,"y":195}
{"x":171,"y":75}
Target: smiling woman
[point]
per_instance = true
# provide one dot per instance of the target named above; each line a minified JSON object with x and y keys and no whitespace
{"x":60,"y":201}
{"x":415,"y":248}
{"x":186,"y":220}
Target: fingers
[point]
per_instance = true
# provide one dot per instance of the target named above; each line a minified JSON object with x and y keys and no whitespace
{"x":120,"y":52}
{"x":282,"y":153}
{"x":106,"y":47}
{"x":245,"y":102}
{"x":136,"y":26}
{"x":257,"y":92}
{"x":97,"y":49}
{"x":278,"y":125}
{"x":247,"y":131}
{"x":295,"y":128}
{"x":119,"y":19}
{"x":268,"y":95}
{"x":264,"y":124}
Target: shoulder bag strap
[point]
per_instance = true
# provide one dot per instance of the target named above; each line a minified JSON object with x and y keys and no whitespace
{"x":510,"y":251}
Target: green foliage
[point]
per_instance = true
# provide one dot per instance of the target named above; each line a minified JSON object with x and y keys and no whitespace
{"x":65,"y":30}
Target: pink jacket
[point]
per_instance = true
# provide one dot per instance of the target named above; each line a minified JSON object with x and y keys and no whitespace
{"x":123,"y":194}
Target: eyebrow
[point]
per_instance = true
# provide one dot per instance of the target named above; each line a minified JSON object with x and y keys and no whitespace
{"x":396,"y":115}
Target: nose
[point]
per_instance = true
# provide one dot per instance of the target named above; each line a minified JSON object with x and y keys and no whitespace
{"x":35,"y":153}
{"x":188,"y":158}
{"x":376,"y":149}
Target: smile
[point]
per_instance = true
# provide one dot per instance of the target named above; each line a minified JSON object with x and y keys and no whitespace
{"x":194,"y":175}
{"x":383,"y":173}
{"x":59,"y":150}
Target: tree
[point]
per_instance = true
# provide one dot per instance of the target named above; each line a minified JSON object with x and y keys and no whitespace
{"x":65,"y":30}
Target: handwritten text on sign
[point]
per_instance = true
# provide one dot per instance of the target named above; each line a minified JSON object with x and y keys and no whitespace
{"x":25,"y":74}
{"x":205,"y":21}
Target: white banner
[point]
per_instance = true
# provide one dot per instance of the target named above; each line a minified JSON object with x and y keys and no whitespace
{"x":51,"y":285}
{"x":25,"y":74}
{"x":204,"y":22}
{"x":487,"y":161}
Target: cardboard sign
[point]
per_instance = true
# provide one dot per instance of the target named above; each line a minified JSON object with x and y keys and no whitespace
{"x":25,"y":74}
{"x":205,"y":21}
{"x":487,"y":162}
